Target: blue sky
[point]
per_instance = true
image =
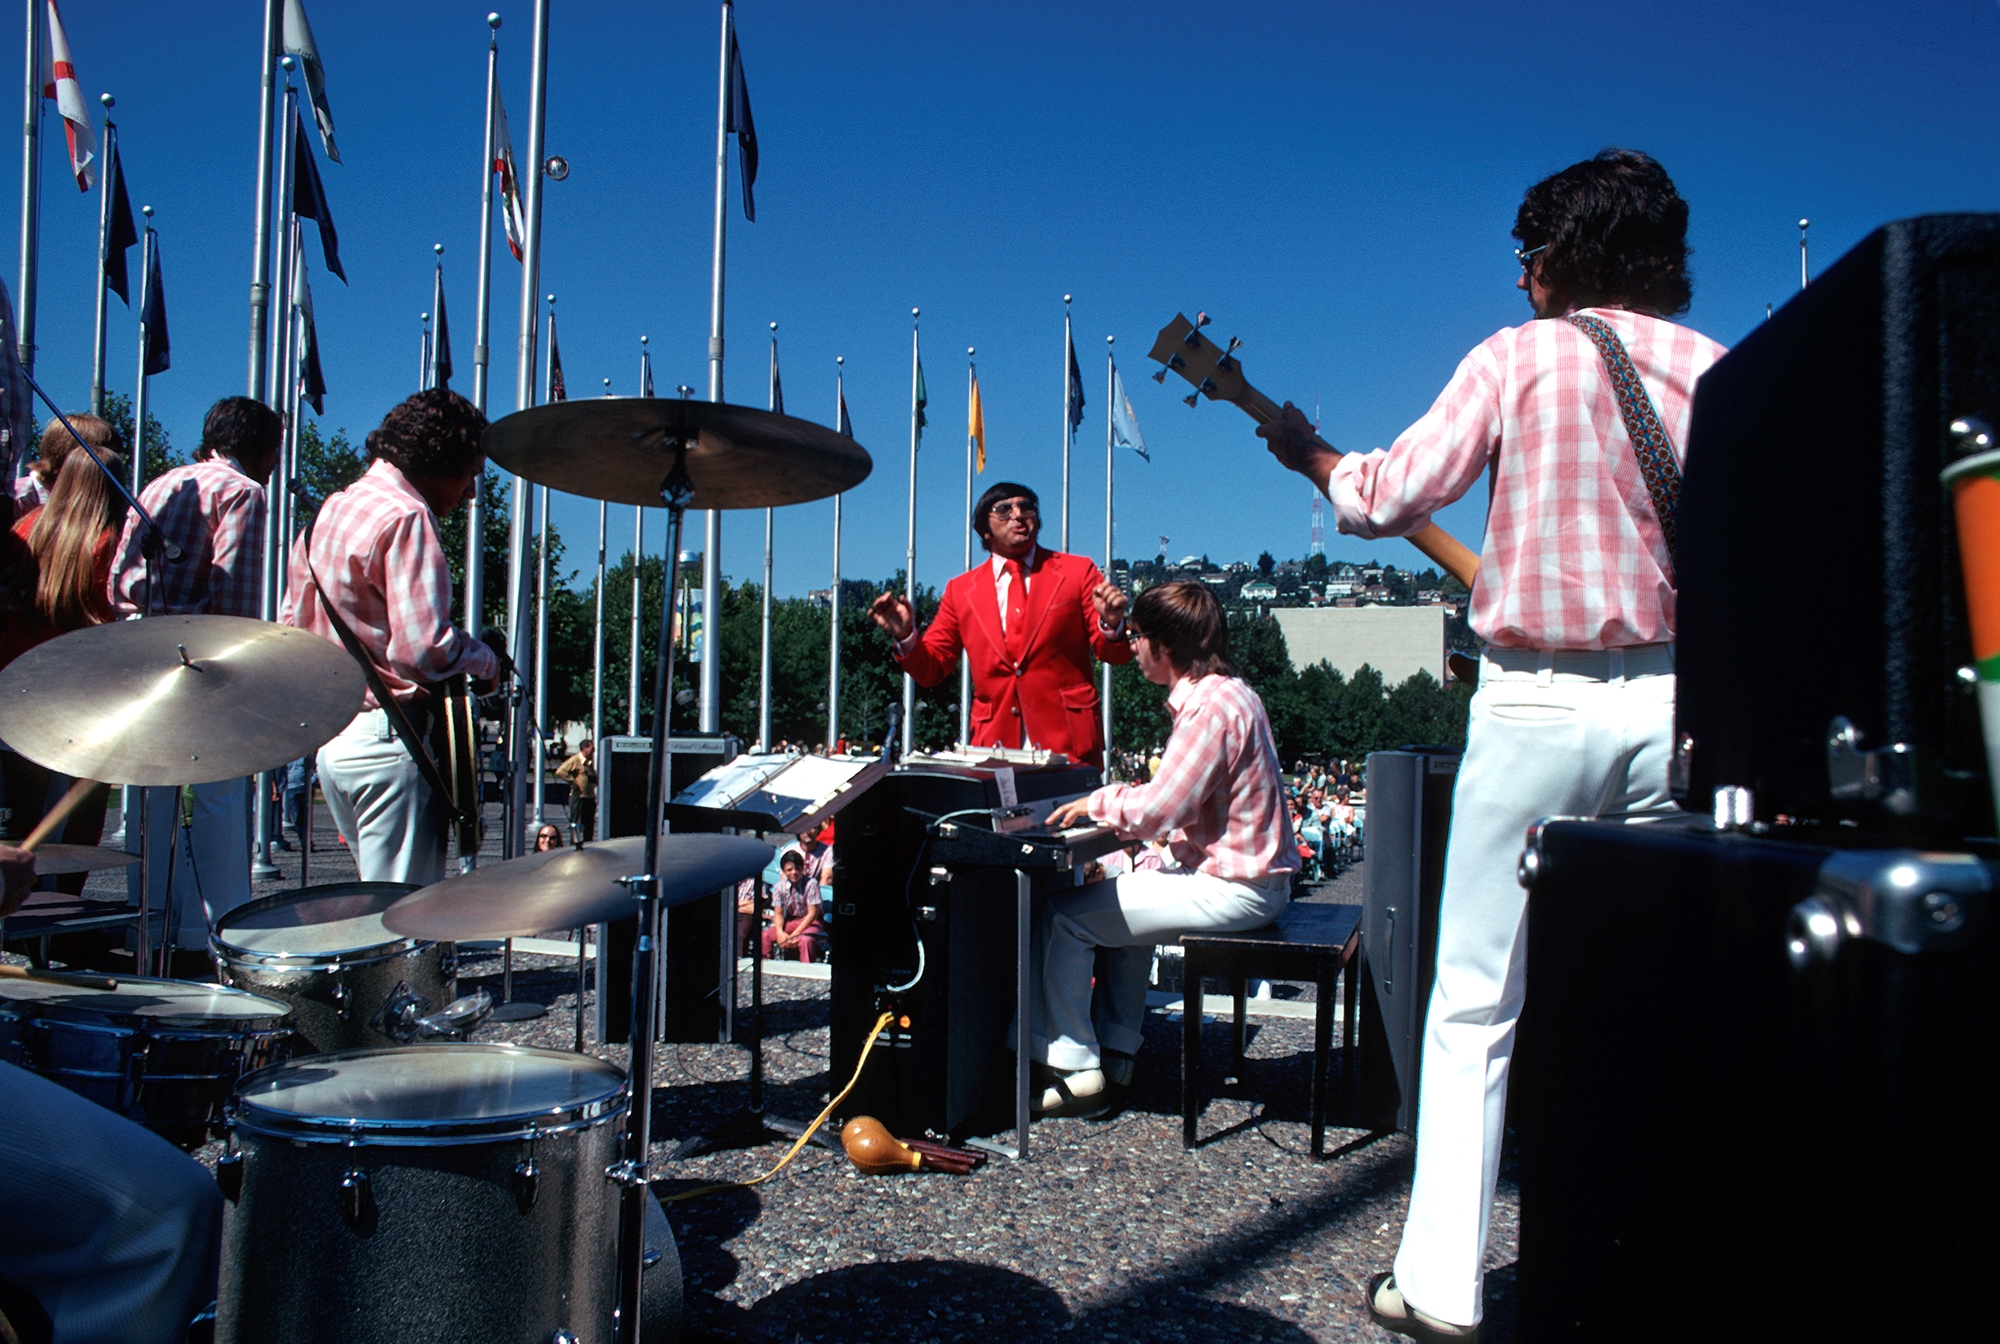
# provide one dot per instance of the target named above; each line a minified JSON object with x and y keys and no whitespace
{"x":1334,"y":183}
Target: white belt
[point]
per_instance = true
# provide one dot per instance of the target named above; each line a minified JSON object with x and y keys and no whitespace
{"x":1545,"y":666}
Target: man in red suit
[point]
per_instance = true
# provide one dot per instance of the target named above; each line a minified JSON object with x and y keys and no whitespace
{"x":1029,"y":621}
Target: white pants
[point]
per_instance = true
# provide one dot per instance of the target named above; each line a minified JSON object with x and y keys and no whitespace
{"x":394,"y":827}
{"x":115,"y":1231}
{"x":1552,"y":734}
{"x":1127,"y":916}
{"x":210,"y":865}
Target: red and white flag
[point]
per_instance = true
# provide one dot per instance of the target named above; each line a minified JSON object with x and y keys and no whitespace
{"x":60,"y":84}
{"x":511,"y":212}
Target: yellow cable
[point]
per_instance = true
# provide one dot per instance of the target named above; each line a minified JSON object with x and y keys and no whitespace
{"x":812,"y":1129}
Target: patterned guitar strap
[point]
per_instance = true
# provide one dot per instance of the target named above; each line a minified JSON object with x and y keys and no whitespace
{"x":1650,"y":443}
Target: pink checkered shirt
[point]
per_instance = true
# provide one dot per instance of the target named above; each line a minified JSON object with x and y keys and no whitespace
{"x":1218,"y":786}
{"x":215,"y":514}
{"x":1574,"y":557}
{"x":376,"y":548}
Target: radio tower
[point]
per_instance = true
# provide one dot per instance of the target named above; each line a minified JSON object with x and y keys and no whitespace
{"x":1319,"y":528}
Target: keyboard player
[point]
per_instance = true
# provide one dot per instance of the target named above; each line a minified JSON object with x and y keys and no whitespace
{"x":1218,"y":800}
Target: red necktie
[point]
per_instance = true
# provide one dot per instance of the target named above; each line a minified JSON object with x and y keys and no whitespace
{"x":1017,"y":614}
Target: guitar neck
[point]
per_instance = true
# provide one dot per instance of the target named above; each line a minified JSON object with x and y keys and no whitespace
{"x":1263,"y":410}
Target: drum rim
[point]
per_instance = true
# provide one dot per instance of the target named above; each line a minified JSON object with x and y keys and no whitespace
{"x":394,"y":945}
{"x":246,"y":1116}
{"x":37,"y":1011}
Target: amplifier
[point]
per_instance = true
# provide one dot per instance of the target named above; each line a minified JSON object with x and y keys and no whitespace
{"x":1408,"y":823}
{"x":697,"y":962}
{"x":932,"y":941}
{"x":1818,"y":561}
{"x":1756,"y":1060}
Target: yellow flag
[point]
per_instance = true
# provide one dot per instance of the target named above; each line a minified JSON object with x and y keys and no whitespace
{"x":975,"y":428}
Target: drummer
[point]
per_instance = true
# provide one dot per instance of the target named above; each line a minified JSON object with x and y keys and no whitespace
{"x":376,"y":560}
{"x":115,"y":1232}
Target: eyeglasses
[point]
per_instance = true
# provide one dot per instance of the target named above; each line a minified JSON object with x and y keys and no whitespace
{"x":1525,"y":257}
{"x":1015,"y":508}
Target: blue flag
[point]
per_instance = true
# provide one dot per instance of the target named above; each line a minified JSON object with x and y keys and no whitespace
{"x":1125,"y":425}
{"x":153,"y":316}
{"x":309,"y":197}
{"x":923,"y":400}
{"x":645,"y":373}
{"x":122,"y":234}
{"x":777,"y":385}
{"x":743,"y":125}
{"x":1075,"y":395}
{"x":845,"y":426}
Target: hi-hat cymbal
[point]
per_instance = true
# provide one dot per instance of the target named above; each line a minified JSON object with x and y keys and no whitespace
{"x":177,"y":699}
{"x":63,"y":860}
{"x":565,"y":888}
{"x":621,"y":448}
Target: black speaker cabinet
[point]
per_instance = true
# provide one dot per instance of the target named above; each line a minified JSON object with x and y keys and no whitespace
{"x":1408,"y":824}
{"x":932,"y":945}
{"x":1818,"y":562}
{"x":697,"y":963}
{"x":1757,"y":1086}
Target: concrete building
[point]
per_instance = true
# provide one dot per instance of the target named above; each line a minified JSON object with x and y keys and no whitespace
{"x":1395,"y":641}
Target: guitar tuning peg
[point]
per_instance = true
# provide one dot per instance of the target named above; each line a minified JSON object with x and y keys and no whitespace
{"x":1161,"y":377}
{"x":1234,"y":342}
{"x":1207,"y":385}
{"x":1223,"y":362}
{"x":1200,"y":320}
{"x":1173,"y":362}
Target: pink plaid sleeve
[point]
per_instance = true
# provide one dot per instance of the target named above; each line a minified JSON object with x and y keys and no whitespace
{"x":1193,"y":765}
{"x":1393,"y":492}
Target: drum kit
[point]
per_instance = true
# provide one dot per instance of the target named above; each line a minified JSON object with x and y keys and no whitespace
{"x":386,"y":1178}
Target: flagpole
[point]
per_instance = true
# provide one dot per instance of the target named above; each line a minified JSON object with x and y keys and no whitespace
{"x":764,"y":659}
{"x":139,"y":387}
{"x":910,"y":558}
{"x":1068,"y":434}
{"x":524,"y":397}
{"x":597,"y":628}
{"x":542,"y":596}
{"x":31,"y":191}
{"x":1110,"y":404}
{"x":711,"y":556}
{"x":260,"y":784}
{"x":833,"y":652}
{"x":475,"y":517}
{"x":965,"y":664}
{"x":103,"y":258}
{"x":424,"y":353}
{"x":260,"y":266}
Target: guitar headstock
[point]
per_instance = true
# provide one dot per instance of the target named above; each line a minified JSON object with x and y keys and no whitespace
{"x":1214,"y":371}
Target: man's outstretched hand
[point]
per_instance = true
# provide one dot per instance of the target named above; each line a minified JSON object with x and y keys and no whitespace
{"x":1294,"y":443}
{"x":893,"y":614}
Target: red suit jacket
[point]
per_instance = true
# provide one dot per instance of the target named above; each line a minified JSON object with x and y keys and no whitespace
{"x":1050,"y":697}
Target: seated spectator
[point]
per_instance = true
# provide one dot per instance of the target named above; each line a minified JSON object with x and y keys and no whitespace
{"x":795,"y":918}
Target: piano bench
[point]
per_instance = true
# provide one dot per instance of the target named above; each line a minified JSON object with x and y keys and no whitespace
{"x":1306,"y":942}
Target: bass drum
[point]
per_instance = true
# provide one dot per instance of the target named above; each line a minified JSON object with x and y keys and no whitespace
{"x":165,"y":1053}
{"x":449,"y":1193}
{"x":326,"y":951}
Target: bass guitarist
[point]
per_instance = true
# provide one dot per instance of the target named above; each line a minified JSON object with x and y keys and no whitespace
{"x":373,"y":556}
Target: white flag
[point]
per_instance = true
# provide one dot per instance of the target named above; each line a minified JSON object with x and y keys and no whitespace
{"x":1124,"y":424}
{"x":60,"y":84}
{"x":511,"y":212}
{"x":299,"y":42}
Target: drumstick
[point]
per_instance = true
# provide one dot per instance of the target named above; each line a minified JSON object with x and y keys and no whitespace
{"x":57,"y":977}
{"x":58,"y":814}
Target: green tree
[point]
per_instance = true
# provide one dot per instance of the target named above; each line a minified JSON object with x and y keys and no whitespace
{"x":1266,"y":566}
{"x":160,"y":454}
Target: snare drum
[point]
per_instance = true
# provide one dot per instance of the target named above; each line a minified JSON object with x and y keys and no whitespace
{"x":165,"y":1053}
{"x":325,"y":951}
{"x":450,"y":1193}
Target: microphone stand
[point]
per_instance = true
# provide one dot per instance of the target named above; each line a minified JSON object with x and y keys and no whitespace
{"x":154,"y":546}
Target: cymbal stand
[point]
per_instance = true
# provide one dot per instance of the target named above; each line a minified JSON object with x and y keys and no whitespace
{"x":676,"y":492}
{"x":510,"y":1009}
{"x":155,"y":547}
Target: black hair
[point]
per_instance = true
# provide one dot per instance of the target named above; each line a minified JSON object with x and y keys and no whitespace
{"x":242,"y":428}
{"x":1186,"y":622}
{"x":433,"y":433}
{"x":1616,"y":233}
{"x":995,"y":493}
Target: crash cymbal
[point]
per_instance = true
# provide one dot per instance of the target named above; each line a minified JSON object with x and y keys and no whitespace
{"x":62,"y":860}
{"x":565,"y":888}
{"x":621,"y":448}
{"x":177,"y":699}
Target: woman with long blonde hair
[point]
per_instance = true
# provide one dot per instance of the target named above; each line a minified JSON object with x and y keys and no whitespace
{"x":72,"y":539}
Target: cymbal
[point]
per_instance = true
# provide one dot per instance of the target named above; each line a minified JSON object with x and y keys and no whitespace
{"x":620,"y":449}
{"x":63,"y":860}
{"x":177,"y":699}
{"x":563,"y":888}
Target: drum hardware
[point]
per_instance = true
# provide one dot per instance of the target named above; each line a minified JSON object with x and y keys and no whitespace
{"x":354,"y":1197}
{"x":455,"y":1021}
{"x":397,"y":1018}
{"x":527,"y":1176}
